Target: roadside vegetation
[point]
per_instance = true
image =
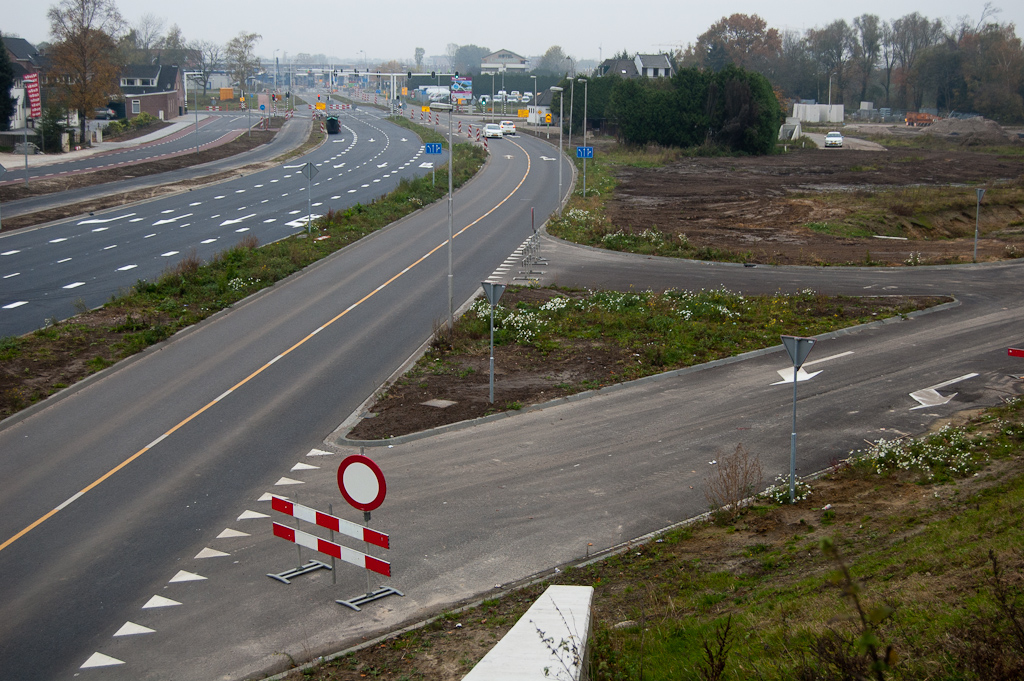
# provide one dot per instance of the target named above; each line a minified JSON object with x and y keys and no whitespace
{"x":903,"y":561}
{"x":43,"y":362}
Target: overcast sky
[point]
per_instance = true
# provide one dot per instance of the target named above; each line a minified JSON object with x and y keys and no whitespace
{"x":393,"y":30}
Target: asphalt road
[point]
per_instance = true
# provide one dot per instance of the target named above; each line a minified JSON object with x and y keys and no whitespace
{"x":145,"y":460}
{"x":213,"y":129}
{"x":166,"y":459}
{"x":48,"y":273}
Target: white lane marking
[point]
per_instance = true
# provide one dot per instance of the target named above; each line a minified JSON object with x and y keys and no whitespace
{"x":101,"y":229}
{"x":107,"y":248}
{"x":169,"y":210}
{"x":149,"y":236}
{"x":13,"y":274}
{"x":169,"y":254}
{"x":96,"y":221}
{"x":75,"y":284}
{"x":160,"y":602}
{"x":57,"y":241}
{"x":185,"y":576}
{"x":219,"y":197}
{"x":63,"y":260}
{"x":270,"y":220}
{"x":194,"y":204}
{"x":211,"y":553}
{"x":100,"y":660}
{"x":207,"y":241}
{"x":126,"y":268}
{"x":11,"y":306}
{"x":132,"y":629}
{"x":237,"y":220}
{"x":168,"y":221}
{"x":228,"y":533}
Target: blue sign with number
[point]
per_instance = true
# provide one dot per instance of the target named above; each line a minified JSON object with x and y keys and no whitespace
{"x":433,"y":147}
{"x":584,"y":152}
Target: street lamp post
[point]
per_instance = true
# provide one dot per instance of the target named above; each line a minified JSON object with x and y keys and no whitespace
{"x":586,"y":86}
{"x":555,"y":88}
{"x":534,"y":93}
{"x":451,"y":227}
{"x":572,"y":97}
{"x":275,"y":69}
{"x":830,"y":94}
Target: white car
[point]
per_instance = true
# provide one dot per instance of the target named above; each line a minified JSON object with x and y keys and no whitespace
{"x":492,"y":130}
{"x":834,"y":139}
{"x":507,"y":128}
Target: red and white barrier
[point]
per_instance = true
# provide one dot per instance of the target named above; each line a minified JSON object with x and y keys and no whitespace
{"x":460,"y":128}
{"x":213,"y":108}
{"x":345,"y":527}
{"x":340,"y":552}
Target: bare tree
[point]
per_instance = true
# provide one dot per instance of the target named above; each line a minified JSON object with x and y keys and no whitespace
{"x":148,"y":32}
{"x":419,"y":58}
{"x":241,"y":57}
{"x":207,"y":57}
{"x":84,"y":66}
{"x":867,"y":46}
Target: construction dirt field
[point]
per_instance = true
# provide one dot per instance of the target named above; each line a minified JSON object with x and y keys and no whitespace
{"x":763,"y":205}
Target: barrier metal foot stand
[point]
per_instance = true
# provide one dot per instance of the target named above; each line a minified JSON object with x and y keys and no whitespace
{"x":288,"y":575}
{"x":354,"y":603}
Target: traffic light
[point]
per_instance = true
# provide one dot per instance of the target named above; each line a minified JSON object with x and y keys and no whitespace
{"x":456,"y":74}
{"x":409,"y":75}
{"x":318,"y":98}
{"x":433,"y":75}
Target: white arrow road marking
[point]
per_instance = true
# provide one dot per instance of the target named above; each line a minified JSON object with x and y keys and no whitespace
{"x":100,"y":660}
{"x":930,"y":397}
{"x":252,"y":515}
{"x":383,"y":165}
{"x":427,"y":164}
{"x":547,"y":158}
{"x":303,"y":467}
{"x":403,"y":139}
{"x":131,"y":629}
{"x":237,"y":220}
{"x":96,"y":221}
{"x":340,"y":165}
{"x":801,"y":375}
{"x":170,"y":220}
{"x":159,"y":602}
{"x":301,"y":222}
{"x":184,"y":576}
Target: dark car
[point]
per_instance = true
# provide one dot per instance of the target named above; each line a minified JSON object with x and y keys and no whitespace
{"x":104,"y":114}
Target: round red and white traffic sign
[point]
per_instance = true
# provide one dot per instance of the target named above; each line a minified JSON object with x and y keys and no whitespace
{"x":361,"y":482}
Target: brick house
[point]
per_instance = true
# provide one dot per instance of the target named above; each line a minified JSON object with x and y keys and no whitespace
{"x":157,"y":90}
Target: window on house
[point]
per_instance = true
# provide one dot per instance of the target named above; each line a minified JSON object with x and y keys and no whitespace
{"x":148,"y":82}
{"x":136,"y":106}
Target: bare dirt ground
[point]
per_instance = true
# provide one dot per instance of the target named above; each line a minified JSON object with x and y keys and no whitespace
{"x":13,"y":192}
{"x":760,"y":205}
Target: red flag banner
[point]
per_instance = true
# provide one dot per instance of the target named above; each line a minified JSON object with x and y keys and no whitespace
{"x":31,"y":81}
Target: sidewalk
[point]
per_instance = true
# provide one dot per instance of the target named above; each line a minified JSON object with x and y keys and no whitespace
{"x":14,"y":161}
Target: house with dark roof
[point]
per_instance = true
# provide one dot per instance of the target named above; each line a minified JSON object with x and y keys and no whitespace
{"x":25,"y":59}
{"x":624,"y":68}
{"x":155,"y":89}
{"x":654,"y":66}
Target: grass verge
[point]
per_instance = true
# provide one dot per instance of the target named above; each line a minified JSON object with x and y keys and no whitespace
{"x":902,"y":562}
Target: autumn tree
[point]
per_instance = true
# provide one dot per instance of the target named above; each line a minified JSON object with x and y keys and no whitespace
{"x":174,"y":48}
{"x":84,"y":68}
{"x":741,"y":39}
{"x":240,"y":57}
{"x":7,"y":103}
{"x":467,"y":59}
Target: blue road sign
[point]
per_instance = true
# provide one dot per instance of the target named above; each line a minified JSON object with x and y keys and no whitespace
{"x":584,"y":152}
{"x":263,"y":107}
{"x":433,"y":147}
